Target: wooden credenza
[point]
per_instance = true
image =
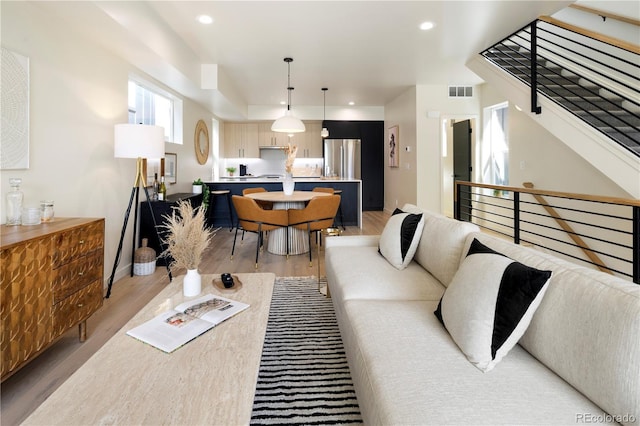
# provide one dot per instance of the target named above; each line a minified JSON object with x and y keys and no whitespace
{"x":51,"y":280}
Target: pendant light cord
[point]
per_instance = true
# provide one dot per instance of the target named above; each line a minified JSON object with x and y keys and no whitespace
{"x":324,"y":103}
{"x":289,"y":88}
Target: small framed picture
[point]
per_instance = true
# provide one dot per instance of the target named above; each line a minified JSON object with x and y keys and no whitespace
{"x":394,"y":147}
{"x":170,"y":167}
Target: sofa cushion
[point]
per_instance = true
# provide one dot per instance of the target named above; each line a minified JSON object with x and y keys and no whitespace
{"x":441,"y":245}
{"x":408,"y":371}
{"x":489,"y":304}
{"x":400,"y":237}
{"x":359,"y":272}
{"x":586,"y":329}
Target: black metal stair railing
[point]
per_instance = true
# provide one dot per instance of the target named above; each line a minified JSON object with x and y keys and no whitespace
{"x":599,"y":232}
{"x":595,"y":80}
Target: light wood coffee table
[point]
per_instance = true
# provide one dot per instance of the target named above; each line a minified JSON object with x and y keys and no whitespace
{"x":210,"y":380}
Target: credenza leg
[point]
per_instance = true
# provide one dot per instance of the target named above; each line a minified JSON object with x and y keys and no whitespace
{"x":82,"y":331}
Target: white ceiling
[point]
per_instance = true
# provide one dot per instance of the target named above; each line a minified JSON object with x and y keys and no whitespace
{"x":368,"y":52}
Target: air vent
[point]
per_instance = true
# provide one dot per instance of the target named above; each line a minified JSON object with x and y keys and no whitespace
{"x":460,"y":91}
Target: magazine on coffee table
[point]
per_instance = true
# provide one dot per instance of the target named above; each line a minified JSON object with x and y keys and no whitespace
{"x":172,"y":329}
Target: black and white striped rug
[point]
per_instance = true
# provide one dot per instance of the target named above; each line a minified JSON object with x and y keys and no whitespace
{"x":304,"y":377}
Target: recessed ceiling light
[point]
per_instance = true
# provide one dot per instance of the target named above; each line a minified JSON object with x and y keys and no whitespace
{"x":426,"y":26}
{"x":352,"y":103}
{"x":205,"y":19}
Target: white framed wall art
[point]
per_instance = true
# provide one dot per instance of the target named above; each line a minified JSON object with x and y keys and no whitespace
{"x":14,"y":97}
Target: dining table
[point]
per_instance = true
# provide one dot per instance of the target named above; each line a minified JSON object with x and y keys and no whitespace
{"x":298,"y":239}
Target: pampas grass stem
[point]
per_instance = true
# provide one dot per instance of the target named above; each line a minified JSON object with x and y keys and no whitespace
{"x":187,"y":235}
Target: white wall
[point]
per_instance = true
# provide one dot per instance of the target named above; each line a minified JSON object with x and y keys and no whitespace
{"x":400,"y":182}
{"x":548,"y":162}
{"x":78,"y":92}
{"x":418,"y":111}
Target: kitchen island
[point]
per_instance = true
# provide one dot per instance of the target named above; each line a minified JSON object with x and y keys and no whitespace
{"x":351,"y":203}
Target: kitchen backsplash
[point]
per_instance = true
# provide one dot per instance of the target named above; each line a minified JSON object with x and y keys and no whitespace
{"x":272,"y":163}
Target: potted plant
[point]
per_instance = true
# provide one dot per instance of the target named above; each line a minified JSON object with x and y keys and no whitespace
{"x":231,"y":170}
{"x":199,"y":187}
{"x":196,"y":186}
{"x":187,"y":237}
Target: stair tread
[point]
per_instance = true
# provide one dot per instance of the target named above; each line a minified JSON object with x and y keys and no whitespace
{"x":606,"y":111}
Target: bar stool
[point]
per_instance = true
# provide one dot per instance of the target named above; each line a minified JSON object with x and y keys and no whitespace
{"x":216,"y":193}
{"x":339,"y":192}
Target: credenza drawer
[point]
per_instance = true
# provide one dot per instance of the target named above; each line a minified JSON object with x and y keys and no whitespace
{"x":76,"y":308}
{"x":71,"y":244}
{"x":73,"y":276}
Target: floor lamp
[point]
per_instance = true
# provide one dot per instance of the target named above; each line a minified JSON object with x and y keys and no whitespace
{"x":136,"y":141}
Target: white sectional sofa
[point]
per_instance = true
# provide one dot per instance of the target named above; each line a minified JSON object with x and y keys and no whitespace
{"x":577,"y":363}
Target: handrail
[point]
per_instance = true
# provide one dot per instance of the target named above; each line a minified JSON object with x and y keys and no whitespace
{"x":573,"y":195}
{"x":593,"y":76}
{"x":604,"y":14}
{"x":634,"y":48}
{"x":569,"y":230}
{"x":601,"y":231}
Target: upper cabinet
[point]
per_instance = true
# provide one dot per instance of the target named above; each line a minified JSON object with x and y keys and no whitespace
{"x":241,"y":140}
{"x":310,"y":142}
{"x":268,"y":138}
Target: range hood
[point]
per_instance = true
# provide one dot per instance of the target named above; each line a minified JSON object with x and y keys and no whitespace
{"x":273,"y":147}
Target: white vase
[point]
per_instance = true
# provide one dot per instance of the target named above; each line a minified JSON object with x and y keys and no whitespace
{"x":196,"y":189}
{"x":192,"y":283}
{"x":288,"y":184}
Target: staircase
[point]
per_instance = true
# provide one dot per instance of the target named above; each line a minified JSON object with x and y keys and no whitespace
{"x":596,"y":82}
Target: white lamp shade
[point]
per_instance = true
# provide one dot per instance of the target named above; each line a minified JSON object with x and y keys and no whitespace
{"x":288,"y":124}
{"x":138,"y":141}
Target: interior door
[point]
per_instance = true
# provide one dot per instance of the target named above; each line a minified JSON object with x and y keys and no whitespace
{"x":462,"y":167}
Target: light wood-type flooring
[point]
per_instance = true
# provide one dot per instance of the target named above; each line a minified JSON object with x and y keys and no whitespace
{"x":30,"y":386}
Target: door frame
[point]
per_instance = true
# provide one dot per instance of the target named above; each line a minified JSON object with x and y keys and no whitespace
{"x":446,"y":158}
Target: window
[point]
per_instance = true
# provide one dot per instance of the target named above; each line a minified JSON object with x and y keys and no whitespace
{"x":495,"y":146}
{"x":149,"y":104}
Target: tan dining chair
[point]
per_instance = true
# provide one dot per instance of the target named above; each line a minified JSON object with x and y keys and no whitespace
{"x":253,"y":218}
{"x":268,"y":205}
{"x":319,"y":214}
{"x":332,"y":191}
{"x":323,"y":189}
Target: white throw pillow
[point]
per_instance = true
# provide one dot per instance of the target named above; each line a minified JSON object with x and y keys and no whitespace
{"x":400,"y":237}
{"x":489,"y":304}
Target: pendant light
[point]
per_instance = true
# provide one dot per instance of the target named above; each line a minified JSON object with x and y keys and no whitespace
{"x":325,"y":132}
{"x":288,"y":123}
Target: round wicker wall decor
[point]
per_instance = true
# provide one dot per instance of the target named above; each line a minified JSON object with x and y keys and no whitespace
{"x":201,"y":142}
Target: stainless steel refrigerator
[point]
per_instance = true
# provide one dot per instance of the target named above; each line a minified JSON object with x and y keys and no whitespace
{"x":342,"y":158}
